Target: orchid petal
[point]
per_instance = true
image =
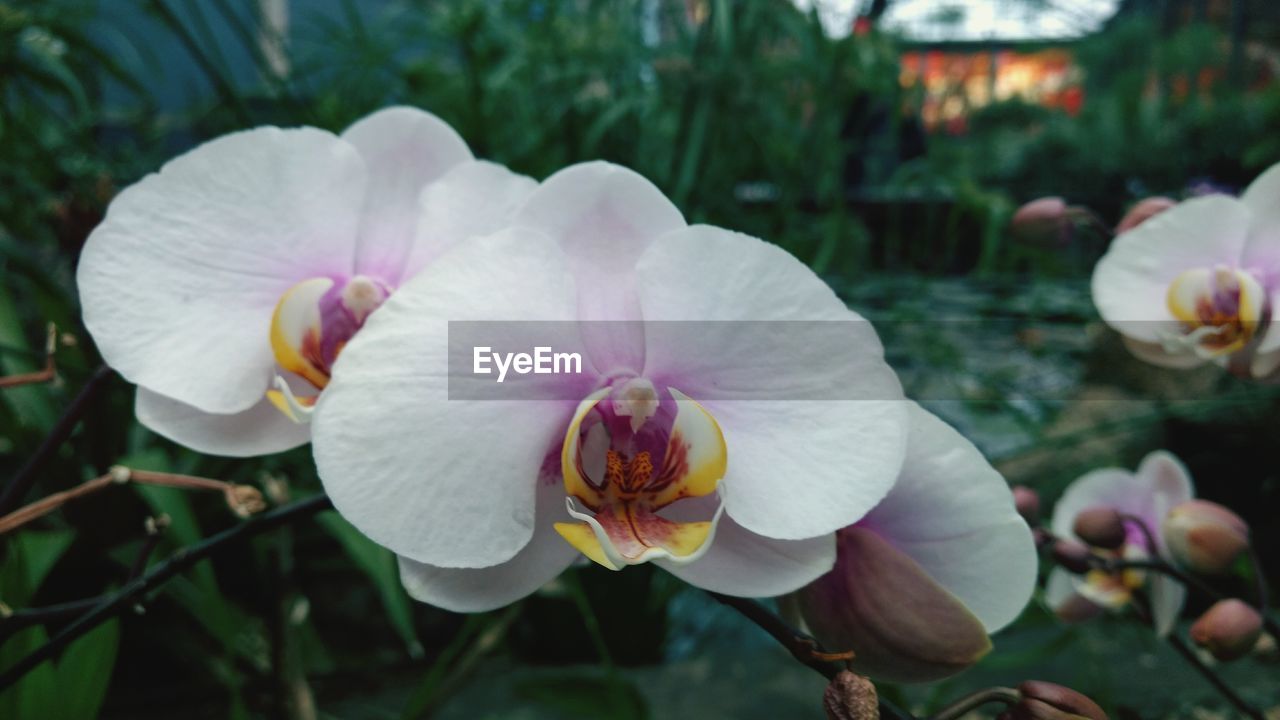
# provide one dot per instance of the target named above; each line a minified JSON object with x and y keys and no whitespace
{"x":260,"y":430}
{"x":472,"y":199}
{"x":802,"y":463}
{"x":483,"y":589}
{"x":1157,"y":354}
{"x":404,"y":149}
{"x":179,"y":281}
{"x":744,"y":564}
{"x":1131,"y":281}
{"x":1262,"y":251}
{"x":441,"y":481}
{"x":604,"y":216}
{"x":954,"y":515}
{"x":1061,"y":597}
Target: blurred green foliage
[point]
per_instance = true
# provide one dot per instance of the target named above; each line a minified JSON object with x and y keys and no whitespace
{"x":748,"y":117}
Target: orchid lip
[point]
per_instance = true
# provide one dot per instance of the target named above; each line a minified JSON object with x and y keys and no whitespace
{"x":629,"y":452}
{"x":1220,"y":309}
{"x":311,"y":324}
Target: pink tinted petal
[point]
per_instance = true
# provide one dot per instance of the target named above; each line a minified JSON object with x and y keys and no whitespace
{"x":1109,"y":487}
{"x":744,"y":564}
{"x":954,"y":514}
{"x":260,"y":430}
{"x":179,"y":281}
{"x":603,"y":216}
{"x":404,"y":149}
{"x":1131,"y":281}
{"x":472,"y":199}
{"x":1170,"y":485}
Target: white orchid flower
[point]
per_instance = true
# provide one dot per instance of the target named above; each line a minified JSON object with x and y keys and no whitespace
{"x":1144,"y":498}
{"x":726,"y":455}
{"x":226,"y":284}
{"x":1200,"y":282}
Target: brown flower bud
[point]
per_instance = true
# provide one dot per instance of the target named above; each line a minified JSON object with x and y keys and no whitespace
{"x":1071,"y":555}
{"x":1204,"y":536}
{"x":1101,"y":527}
{"x":1027,"y":502}
{"x":1042,"y":222}
{"x":850,"y":696}
{"x":880,"y":603}
{"x":1228,"y":630}
{"x":1047,"y":701}
{"x":1142,"y":211}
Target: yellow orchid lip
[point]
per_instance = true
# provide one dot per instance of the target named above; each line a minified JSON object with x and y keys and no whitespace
{"x":628,"y":453}
{"x":311,"y":324}
{"x":1220,"y":309}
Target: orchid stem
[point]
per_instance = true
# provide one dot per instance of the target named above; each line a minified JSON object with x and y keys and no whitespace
{"x":960,"y":707}
{"x":21,"y":483}
{"x":803,"y":648}
{"x":44,"y":374}
{"x":1142,"y":607}
{"x":244,"y":500}
{"x":1218,"y":683}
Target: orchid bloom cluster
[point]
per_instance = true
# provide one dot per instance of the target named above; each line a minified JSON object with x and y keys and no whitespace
{"x":1140,"y":501}
{"x":1150,"y":525}
{"x":1199,"y":281}
{"x":277,"y":286}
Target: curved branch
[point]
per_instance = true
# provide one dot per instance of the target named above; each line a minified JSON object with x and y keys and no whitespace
{"x":21,"y":483}
{"x":803,"y":648}
{"x":124,"y":598}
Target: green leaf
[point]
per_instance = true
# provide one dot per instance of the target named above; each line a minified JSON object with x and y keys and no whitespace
{"x":29,"y":558}
{"x":380,"y":565}
{"x":31,"y":402}
{"x":34,"y":696}
{"x":585,"y":697}
{"x":86,"y":666}
{"x":36,"y":553}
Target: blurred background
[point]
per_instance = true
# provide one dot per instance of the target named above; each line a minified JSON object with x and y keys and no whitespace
{"x":886,"y":143}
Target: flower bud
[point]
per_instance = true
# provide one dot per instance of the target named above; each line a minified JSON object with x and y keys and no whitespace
{"x":1027,"y":502}
{"x":1228,"y":630}
{"x":850,"y":696}
{"x":1101,"y":527}
{"x":1047,"y":701}
{"x":1142,"y":211}
{"x":900,"y":623}
{"x":1041,"y":222}
{"x":1072,"y":555}
{"x":1204,"y":536}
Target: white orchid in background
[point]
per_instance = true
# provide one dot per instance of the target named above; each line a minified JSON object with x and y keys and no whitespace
{"x":1143,"y":499}
{"x":249,"y":262}
{"x":727,"y":456}
{"x":922,"y":579}
{"x":1200,"y":282}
